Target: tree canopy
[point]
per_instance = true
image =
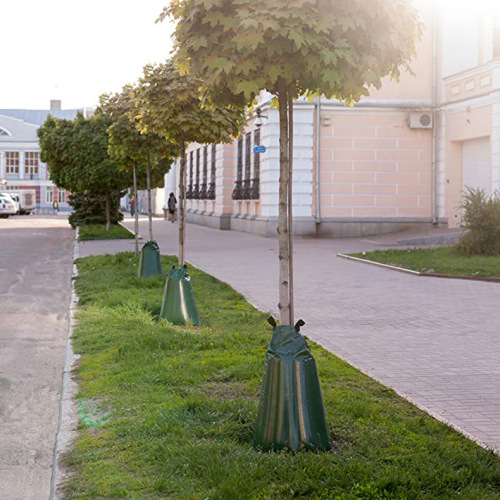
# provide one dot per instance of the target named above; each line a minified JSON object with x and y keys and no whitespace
{"x":336,"y":48}
{"x":169,"y":104}
{"x":76,"y":153}
{"x":128,"y":145}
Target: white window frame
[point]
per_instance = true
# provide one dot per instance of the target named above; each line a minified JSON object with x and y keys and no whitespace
{"x":11,"y":162}
{"x":31,"y":162}
{"x":61,"y":196}
{"x":49,"y":196}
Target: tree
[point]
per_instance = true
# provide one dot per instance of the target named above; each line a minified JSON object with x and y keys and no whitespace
{"x":133,"y":150}
{"x":76,"y":153}
{"x":169,"y":104}
{"x":291,"y":48}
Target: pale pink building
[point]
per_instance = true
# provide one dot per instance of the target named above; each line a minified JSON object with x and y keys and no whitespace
{"x":403,"y":156}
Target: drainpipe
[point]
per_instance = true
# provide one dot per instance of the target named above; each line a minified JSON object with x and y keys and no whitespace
{"x":318,"y":162}
{"x":435,"y":129}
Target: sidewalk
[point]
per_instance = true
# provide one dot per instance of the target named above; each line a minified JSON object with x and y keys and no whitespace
{"x":435,"y":341}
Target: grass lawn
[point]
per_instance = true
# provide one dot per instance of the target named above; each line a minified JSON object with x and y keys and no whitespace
{"x":98,"y":232}
{"x":168,"y":412}
{"x":441,"y":260}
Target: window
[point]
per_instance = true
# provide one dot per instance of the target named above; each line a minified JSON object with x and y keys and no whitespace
{"x":49,"y":196}
{"x":211,"y":188}
{"x":248,"y":166}
{"x":196,"y":191}
{"x":61,"y":196}
{"x":238,"y":191}
{"x":189,"y":192}
{"x":203,"y":190}
{"x":247,"y":187}
{"x":12,"y":162}
{"x":31,"y":162}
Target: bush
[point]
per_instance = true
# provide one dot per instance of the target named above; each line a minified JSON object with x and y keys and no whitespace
{"x":482,"y":220}
{"x":91,"y":209}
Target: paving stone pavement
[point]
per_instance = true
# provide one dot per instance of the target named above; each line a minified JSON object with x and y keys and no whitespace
{"x":435,"y":341}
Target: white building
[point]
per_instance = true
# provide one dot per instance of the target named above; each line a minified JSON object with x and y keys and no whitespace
{"x":20,"y":163}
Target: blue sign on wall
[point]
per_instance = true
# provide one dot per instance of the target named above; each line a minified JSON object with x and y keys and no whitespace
{"x":259,"y":149}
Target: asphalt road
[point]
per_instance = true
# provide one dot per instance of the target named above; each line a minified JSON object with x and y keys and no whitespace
{"x":36,"y":255}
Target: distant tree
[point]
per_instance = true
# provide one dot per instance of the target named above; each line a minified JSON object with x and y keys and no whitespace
{"x":91,"y":208}
{"x":76,"y":153}
{"x":169,"y":104}
{"x":291,"y":48}
{"x":136,"y":151}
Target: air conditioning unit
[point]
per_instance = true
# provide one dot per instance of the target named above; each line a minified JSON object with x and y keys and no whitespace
{"x":420,"y":119}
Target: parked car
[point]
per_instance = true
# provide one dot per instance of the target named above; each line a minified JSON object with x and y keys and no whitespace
{"x":26,"y":198}
{"x":13,"y":198}
{"x":7,"y":206}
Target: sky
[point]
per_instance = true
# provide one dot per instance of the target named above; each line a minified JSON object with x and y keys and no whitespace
{"x":76,"y":50}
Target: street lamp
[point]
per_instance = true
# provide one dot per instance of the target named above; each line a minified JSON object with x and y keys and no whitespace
{"x":259,"y":120}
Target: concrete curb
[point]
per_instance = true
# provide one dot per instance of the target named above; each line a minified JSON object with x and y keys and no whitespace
{"x":129,"y":230}
{"x":490,"y":279}
{"x":68,"y":416}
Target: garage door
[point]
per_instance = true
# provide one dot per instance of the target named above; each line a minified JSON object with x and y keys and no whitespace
{"x":476,"y":164}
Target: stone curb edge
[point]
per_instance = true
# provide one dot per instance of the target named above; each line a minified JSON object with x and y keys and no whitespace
{"x":489,"y":279}
{"x":129,"y":230}
{"x":68,"y":416}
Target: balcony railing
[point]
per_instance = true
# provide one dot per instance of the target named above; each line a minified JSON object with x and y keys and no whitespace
{"x":248,"y":189}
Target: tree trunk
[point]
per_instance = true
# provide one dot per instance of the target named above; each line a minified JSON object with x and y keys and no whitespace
{"x":136,"y":213}
{"x":290,"y":205}
{"x":118,"y":207}
{"x":182,"y":204}
{"x":108,"y":212}
{"x":150,"y":211}
{"x":284,"y":251}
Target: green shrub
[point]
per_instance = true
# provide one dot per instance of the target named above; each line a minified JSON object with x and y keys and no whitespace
{"x":481,"y":218}
{"x":90,"y":209}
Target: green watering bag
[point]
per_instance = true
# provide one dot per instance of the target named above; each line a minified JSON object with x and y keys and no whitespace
{"x":179,"y":303}
{"x":291,"y":409}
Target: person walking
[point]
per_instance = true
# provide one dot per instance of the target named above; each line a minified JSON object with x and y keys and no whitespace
{"x":132,"y":205}
{"x":172,"y":202}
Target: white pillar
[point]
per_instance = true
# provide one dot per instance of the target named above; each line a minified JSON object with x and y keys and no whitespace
{"x":2,"y":164}
{"x":441,"y":164}
{"x":21,"y":165}
{"x":171,"y":183}
{"x":303,"y":163}
{"x":495,"y":148}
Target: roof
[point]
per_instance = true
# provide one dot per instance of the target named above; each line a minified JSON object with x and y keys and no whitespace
{"x":16,"y":130}
{"x":38,"y":116}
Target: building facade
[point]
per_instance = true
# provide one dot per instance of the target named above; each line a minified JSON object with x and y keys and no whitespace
{"x":402,"y":156}
{"x":20,"y":164}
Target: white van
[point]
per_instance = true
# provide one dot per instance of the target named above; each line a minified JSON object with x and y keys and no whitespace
{"x":15,"y":198}
{"x":25,"y":200}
